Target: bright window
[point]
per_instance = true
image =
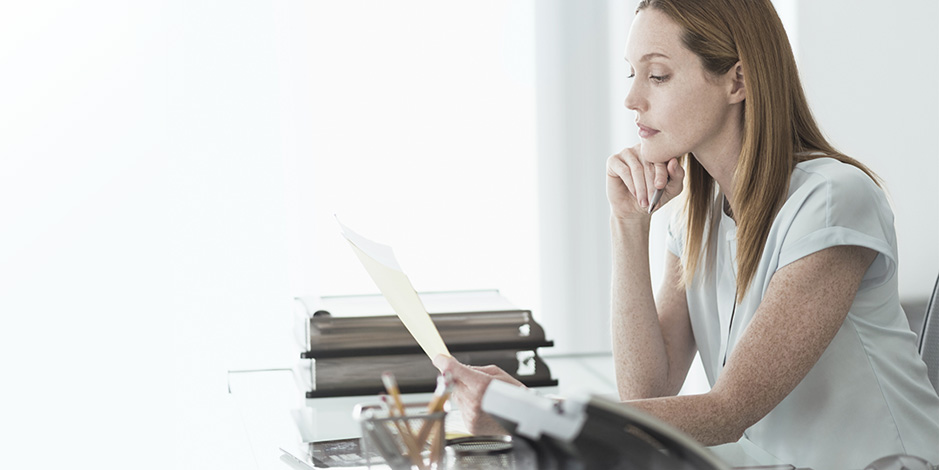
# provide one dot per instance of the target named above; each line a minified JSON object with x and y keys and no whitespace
{"x":418,"y":131}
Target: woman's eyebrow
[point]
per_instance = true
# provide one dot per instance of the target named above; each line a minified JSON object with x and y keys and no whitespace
{"x":650,"y":56}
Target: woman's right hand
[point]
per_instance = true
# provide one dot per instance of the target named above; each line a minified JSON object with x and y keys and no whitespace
{"x":470,"y":383}
{"x":631,"y":182}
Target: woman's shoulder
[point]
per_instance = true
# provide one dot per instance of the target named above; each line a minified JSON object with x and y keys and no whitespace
{"x":836,"y":203}
{"x":834,"y":178}
{"x":825,"y":192}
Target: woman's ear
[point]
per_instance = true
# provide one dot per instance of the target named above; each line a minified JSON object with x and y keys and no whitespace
{"x":738,"y":89}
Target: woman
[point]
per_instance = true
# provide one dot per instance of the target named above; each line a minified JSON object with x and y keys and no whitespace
{"x":782,"y":266}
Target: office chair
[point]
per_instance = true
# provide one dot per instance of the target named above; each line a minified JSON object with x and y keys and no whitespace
{"x":929,"y":339}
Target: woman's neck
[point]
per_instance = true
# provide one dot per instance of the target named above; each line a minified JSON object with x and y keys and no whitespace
{"x":720,"y":158}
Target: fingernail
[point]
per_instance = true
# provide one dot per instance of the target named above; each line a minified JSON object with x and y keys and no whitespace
{"x":439,"y":361}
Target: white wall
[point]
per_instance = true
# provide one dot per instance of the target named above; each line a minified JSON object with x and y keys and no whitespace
{"x":422,"y":138}
{"x":869,"y":70}
{"x":573,"y":144}
{"x":156,"y":209}
{"x":144,"y":217}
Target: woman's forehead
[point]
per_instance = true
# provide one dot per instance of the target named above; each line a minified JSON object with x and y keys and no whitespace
{"x":653,"y":35}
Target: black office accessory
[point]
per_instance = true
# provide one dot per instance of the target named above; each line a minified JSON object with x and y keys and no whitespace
{"x":592,"y":433}
{"x":349,"y":348}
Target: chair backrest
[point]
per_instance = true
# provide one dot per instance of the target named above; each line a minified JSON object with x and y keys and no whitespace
{"x":929,"y":339}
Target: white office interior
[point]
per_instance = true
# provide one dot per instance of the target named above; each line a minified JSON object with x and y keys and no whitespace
{"x":171,"y":174}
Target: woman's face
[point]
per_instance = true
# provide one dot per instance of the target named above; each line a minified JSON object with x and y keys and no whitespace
{"x":679,"y":106}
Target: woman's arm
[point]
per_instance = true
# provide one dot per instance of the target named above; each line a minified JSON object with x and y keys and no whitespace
{"x":653,"y":345}
{"x":804,"y":306}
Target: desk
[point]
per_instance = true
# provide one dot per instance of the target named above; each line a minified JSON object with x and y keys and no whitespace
{"x":264,"y":401}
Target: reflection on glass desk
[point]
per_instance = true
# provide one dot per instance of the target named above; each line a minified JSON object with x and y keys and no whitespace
{"x":275,"y":412}
{"x":347,"y":454}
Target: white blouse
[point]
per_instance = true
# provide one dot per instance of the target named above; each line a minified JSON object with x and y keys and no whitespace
{"x":868,"y":395}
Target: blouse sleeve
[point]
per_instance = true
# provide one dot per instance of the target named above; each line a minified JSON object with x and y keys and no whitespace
{"x":843,"y":206}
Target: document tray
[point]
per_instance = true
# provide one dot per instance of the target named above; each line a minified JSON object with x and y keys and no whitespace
{"x":335,"y":337}
{"x":353,"y":376}
{"x":349,"y":354}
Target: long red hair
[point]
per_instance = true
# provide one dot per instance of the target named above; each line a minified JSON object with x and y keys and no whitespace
{"x":778,"y":128}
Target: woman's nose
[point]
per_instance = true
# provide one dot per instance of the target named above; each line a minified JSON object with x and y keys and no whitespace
{"x":633,"y":99}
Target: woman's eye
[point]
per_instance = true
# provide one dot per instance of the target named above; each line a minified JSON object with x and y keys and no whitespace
{"x":658,"y":78}
{"x":632,"y":75}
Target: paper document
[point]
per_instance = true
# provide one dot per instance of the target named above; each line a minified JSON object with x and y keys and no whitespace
{"x":382,"y":266}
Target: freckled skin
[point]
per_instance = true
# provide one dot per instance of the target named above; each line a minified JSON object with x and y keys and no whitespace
{"x":653,"y":346}
{"x":803,"y":308}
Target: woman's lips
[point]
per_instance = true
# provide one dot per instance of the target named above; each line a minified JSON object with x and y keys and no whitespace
{"x":646,"y":132}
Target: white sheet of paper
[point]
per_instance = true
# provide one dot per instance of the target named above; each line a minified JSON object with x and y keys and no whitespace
{"x":382,"y":266}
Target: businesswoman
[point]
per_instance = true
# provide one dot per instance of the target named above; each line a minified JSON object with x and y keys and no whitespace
{"x":782,"y":264}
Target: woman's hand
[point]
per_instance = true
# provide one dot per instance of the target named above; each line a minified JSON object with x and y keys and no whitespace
{"x":470,"y":383}
{"x":631,"y":182}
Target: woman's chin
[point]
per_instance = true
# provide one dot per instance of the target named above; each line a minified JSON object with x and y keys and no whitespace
{"x":655,"y":154}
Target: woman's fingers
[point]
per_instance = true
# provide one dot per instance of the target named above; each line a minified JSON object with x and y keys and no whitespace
{"x":616,"y":168}
{"x":496,"y":373}
{"x":656,"y":178}
{"x":639,"y":180}
{"x":632,"y":181}
{"x":676,"y":177}
{"x":471,"y":383}
{"x":667,"y":177}
{"x":473,"y":376}
{"x":489,"y":370}
{"x":661,"y":174}
{"x":443,"y":363}
{"x":457,"y":370}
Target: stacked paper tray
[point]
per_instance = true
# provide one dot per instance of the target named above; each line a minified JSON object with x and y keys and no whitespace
{"x":350,"y":350}
{"x":332,"y":337}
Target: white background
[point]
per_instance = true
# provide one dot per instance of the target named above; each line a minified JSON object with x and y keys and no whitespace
{"x":160,"y":166}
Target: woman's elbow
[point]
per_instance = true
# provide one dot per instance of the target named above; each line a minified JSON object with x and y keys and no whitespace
{"x":725,"y":435}
{"x":730,"y":420}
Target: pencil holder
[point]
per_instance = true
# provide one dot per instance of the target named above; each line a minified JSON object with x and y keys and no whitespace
{"x":414,"y":441}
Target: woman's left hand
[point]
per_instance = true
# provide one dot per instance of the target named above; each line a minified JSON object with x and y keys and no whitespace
{"x":470,"y":383}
